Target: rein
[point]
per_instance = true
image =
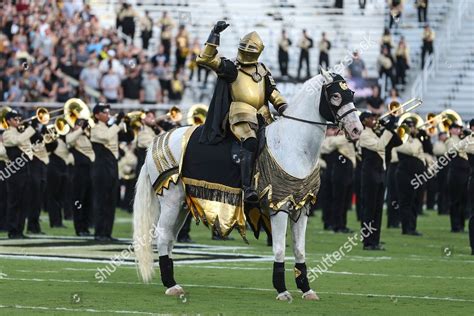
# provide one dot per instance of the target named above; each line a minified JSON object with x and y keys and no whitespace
{"x":338,"y":118}
{"x":306,"y":121}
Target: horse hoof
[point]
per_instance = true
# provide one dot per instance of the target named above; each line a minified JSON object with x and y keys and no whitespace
{"x":284,"y":296}
{"x":175,"y":291}
{"x":310,"y":296}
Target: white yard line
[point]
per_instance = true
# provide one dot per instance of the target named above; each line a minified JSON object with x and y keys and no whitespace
{"x":391,"y":296}
{"x":268,"y":268}
{"x":82,"y":310}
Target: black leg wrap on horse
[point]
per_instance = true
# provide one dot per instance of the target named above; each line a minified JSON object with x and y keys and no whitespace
{"x":166,"y":271}
{"x":301,"y":277}
{"x":279,"y":276}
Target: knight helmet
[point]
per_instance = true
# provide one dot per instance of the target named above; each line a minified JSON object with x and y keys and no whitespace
{"x":250,"y":48}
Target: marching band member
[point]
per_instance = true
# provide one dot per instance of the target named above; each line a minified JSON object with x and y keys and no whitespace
{"x":18,"y":148}
{"x":305,"y":44}
{"x":393,"y":206}
{"x":357,"y":181}
{"x":430,"y":162}
{"x":244,"y":87}
{"x":105,"y":141}
{"x":324,"y":47}
{"x":57,"y":181}
{"x":68,"y":198}
{"x":82,"y":194}
{"x":127,"y":167}
{"x":145,"y":138}
{"x":373,"y":176}
{"x":439,"y":150}
{"x":342,"y":180}
{"x":410,"y":195}
{"x":38,"y":173}
{"x":325,"y":191}
{"x":428,"y":38}
{"x":170,"y":121}
{"x":458,"y":177}
{"x":283,"y":57}
{"x":3,"y":188}
{"x":470,"y":154}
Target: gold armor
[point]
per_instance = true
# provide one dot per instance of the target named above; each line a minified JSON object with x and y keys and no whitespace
{"x":248,"y":89}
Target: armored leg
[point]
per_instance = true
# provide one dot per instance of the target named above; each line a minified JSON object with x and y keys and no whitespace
{"x":247,"y":161}
{"x":247,"y":136}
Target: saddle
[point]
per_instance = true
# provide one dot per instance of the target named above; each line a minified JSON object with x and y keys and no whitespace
{"x":212,"y":179}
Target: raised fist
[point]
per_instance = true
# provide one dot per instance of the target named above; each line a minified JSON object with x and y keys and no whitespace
{"x":220,"y":26}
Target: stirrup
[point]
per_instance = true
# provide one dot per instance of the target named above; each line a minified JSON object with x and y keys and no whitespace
{"x":250,"y":195}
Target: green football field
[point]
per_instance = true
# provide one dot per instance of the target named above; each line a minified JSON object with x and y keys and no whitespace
{"x":433,"y":274}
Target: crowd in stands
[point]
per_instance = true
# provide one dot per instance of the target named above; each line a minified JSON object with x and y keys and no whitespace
{"x":43,"y":44}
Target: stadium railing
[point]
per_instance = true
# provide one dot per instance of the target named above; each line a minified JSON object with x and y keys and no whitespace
{"x":441,"y":47}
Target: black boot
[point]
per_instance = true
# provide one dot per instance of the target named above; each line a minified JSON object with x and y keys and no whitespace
{"x":247,"y":159}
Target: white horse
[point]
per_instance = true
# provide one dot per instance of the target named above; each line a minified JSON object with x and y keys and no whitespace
{"x":295,"y":145}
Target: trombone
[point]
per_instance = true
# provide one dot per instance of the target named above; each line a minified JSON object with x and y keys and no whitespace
{"x":174,"y":114}
{"x":42,"y":115}
{"x":397,"y":109}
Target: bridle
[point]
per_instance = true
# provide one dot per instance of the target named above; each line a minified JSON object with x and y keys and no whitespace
{"x":338,"y":118}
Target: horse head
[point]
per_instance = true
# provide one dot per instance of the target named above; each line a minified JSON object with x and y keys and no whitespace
{"x":336,"y":104}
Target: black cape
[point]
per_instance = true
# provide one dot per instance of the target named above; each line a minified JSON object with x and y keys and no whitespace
{"x":215,"y":127}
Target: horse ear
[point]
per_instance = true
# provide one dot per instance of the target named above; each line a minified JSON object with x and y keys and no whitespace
{"x":326,"y":75}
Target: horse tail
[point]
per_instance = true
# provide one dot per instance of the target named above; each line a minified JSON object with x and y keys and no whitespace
{"x":146,"y":211}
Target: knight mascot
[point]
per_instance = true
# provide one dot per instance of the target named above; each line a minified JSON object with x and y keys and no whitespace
{"x":243,"y":90}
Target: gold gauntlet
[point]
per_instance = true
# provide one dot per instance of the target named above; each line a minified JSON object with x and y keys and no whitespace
{"x":277,"y":99}
{"x":208,"y":57}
